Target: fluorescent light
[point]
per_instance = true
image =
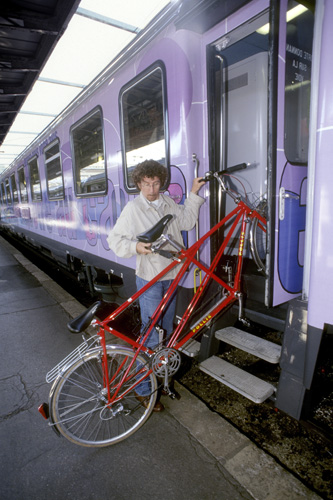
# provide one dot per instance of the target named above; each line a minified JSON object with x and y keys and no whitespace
{"x":295,"y":12}
{"x":291,"y":14}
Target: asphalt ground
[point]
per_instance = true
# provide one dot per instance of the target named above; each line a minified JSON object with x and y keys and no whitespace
{"x":185,"y":452}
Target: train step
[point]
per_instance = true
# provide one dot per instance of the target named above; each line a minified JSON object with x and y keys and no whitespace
{"x":191,"y":348}
{"x":261,"y":348}
{"x":244,"y":383}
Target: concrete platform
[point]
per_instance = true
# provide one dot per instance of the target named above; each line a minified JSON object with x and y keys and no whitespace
{"x":186,"y":452}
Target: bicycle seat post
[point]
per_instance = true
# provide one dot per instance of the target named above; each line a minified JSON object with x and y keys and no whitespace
{"x":172,"y":242}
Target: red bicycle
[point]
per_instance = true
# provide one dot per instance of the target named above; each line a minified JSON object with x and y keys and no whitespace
{"x":92,"y":401}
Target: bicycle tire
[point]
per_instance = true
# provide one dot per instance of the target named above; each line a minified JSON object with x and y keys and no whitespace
{"x":258,"y":245}
{"x":78,"y":407}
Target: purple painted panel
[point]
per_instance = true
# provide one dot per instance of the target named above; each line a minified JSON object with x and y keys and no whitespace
{"x":291,"y":225}
{"x":321,"y":271}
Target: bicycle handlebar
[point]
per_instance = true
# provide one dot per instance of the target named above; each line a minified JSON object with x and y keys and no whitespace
{"x":234,"y":168}
{"x":219,"y":177}
{"x":210,"y":175}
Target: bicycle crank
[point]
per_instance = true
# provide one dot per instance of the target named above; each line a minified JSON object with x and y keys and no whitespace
{"x":165,"y":364}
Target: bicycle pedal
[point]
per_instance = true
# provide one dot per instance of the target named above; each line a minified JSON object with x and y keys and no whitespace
{"x":175,"y":395}
{"x":171,"y":394}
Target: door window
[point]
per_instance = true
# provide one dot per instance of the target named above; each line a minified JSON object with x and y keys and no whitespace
{"x":298,"y":82}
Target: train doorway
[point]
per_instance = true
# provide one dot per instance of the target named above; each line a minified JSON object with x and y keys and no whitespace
{"x":259,"y":115}
{"x":238,"y":77}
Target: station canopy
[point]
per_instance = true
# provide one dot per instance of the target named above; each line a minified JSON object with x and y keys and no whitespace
{"x":96,"y":32}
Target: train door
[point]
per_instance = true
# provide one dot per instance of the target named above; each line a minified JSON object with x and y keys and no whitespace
{"x":293,"y":114}
{"x":248,"y":84}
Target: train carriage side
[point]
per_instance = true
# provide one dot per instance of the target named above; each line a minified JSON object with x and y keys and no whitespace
{"x":211,"y":89}
{"x":74,"y":180}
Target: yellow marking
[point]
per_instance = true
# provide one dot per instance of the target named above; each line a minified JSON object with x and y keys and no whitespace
{"x":202,"y":323}
{"x":241,"y":245}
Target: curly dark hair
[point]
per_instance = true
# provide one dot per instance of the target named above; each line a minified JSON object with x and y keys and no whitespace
{"x":150,"y":169}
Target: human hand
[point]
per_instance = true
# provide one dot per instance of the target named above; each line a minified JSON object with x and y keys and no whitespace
{"x":143,"y":248}
{"x":197,"y":183}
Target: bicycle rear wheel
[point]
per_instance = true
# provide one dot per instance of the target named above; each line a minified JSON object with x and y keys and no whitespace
{"x":79,"y":406}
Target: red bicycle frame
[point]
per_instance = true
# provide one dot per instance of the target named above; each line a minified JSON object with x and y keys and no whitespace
{"x":242,"y":215}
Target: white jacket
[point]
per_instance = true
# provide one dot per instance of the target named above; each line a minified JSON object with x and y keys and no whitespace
{"x":139,"y":216}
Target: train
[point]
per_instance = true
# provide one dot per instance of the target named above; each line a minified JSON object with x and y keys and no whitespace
{"x":205,"y":86}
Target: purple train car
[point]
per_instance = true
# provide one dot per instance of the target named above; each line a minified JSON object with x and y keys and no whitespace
{"x":207,"y":85}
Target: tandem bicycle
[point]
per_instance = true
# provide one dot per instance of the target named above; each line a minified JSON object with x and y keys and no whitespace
{"x":92,"y":401}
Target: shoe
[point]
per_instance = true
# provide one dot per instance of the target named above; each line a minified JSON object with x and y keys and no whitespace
{"x":145,"y":401}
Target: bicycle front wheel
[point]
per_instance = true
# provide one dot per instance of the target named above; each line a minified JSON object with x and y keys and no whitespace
{"x":258,"y":239}
{"x":79,"y":401}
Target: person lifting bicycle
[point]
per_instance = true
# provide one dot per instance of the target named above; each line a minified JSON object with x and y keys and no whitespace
{"x":140,"y":215}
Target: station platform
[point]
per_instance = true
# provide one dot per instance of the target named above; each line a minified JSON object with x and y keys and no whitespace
{"x":185,"y":452}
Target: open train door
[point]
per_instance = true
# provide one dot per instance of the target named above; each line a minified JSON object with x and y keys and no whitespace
{"x":293,"y":114}
{"x":259,"y":114}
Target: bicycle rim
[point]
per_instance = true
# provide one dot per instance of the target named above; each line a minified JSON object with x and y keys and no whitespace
{"x":79,"y":407}
{"x":258,"y":246}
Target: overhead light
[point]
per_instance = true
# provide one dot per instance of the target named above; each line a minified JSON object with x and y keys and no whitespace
{"x":291,"y":14}
{"x":295,"y":12}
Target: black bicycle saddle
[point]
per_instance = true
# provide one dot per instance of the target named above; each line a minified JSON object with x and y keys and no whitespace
{"x":79,"y":324}
{"x":155,"y":232}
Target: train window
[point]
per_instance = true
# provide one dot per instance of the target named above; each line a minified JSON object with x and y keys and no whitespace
{"x":22,"y":185}
{"x":3,"y":195}
{"x":36,"y":192}
{"x":298,"y":83}
{"x":14,"y":188}
{"x":53,"y":167}
{"x":144,"y":122}
{"x":87,"y":140}
{"x":8,"y":194}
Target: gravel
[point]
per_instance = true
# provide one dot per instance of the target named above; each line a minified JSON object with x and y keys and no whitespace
{"x":303,"y":447}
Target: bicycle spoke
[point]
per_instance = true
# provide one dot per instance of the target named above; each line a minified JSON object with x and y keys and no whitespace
{"x":80,"y":407}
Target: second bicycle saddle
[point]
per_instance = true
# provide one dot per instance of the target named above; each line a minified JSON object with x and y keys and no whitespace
{"x":155,"y":232}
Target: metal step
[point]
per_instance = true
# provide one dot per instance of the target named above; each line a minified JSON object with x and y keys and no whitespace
{"x":250,"y":343}
{"x":191,"y":348}
{"x":244,"y":383}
